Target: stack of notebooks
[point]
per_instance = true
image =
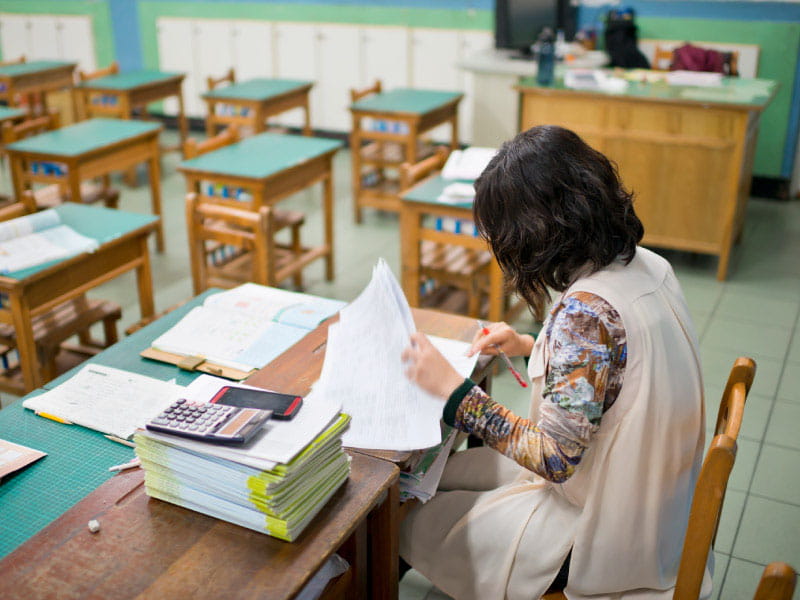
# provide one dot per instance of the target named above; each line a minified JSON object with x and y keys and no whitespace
{"x":279,"y":501}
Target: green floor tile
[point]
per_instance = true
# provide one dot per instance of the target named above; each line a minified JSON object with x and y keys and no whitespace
{"x":746,"y":338}
{"x":746,"y":457}
{"x":789,"y":388}
{"x":741,"y":580}
{"x":717,"y":363}
{"x":720,"y":566}
{"x":758,"y":308}
{"x":776,"y":474}
{"x":770,"y":531}
{"x":783,"y":425}
{"x":729,"y":521}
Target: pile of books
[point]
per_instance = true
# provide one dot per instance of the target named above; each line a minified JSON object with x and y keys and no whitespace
{"x":244,"y":486}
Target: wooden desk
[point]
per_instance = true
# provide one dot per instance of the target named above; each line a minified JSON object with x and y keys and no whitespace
{"x":250,"y":103}
{"x":148,"y":548}
{"x":90,"y":149}
{"x":35,"y":78}
{"x":11,"y":114}
{"x":686,"y":152}
{"x":421,"y":202}
{"x":270,"y":167}
{"x":411,"y":113}
{"x":118,"y":95}
{"x":30,"y":292}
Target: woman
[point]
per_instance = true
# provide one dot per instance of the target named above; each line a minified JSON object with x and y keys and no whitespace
{"x":595,"y":486}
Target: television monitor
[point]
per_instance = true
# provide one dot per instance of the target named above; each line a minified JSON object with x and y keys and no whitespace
{"x":518,"y":23}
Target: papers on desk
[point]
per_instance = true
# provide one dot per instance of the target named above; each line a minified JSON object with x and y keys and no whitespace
{"x":106,"y":399}
{"x":246,"y":327}
{"x":364,"y":373}
{"x":457,"y":193}
{"x":467,"y":164}
{"x":694,"y":78}
{"x":39,"y":238}
{"x":13,"y":457}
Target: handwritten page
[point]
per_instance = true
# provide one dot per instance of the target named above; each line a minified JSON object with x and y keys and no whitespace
{"x":106,"y":399}
{"x":364,"y":372}
{"x":13,"y":457}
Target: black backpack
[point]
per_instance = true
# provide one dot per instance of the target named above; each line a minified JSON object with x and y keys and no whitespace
{"x":621,"y":38}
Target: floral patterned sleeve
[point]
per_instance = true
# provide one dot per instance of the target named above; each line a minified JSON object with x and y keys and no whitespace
{"x":583,"y":378}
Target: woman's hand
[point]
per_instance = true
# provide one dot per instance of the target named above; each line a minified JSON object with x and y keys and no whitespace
{"x":426,"y":367}
{"x":502,"y":335}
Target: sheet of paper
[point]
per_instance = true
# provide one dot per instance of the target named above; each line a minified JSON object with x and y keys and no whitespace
{"x":278,"y":442}
{"x":363,"y":370}
{"x":106,"y":399}
{"x":426,"y":489}
{"x":38,"y":248}
{"x":13,"y":457}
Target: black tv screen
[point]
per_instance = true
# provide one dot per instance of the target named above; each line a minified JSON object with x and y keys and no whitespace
{"x":517,"y":23}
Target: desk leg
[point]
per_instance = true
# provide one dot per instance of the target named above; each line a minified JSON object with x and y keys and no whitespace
{"x":17,"y":176}
{"x":26,"y":345}
{"x":183,"y":126}
{"x":454,"y":145}
{"x":144,"y":281}
{"x":74,"y":183}
{"x":495,"y":292}
{"x":354,"y":551}
{"x":211,"y":123}
{"x":384,"y":547}
{"x":327,"y":198}
{"x":410,"y":253}
{"x":355,"y":160}
{"x":307,"y":110}
{"x":154,"y":174}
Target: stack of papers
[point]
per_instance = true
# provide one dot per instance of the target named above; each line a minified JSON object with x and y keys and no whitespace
{"x":275,"y":484}
{"x":39,"y":238}
{"x":467,"y":164}
{"x":246,"y":327}
{"x":694,"y":78}
{"x":421,"y":477}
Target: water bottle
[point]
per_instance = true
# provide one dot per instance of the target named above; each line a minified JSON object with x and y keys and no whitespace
{"x":547,"y":57}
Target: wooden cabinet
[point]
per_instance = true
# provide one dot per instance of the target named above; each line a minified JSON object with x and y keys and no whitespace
{"x":384,"y":56}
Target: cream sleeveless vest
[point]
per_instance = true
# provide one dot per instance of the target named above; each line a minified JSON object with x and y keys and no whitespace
{"x":498,"y":531}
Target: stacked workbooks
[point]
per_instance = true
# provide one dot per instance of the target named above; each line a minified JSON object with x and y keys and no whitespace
{"x":275,"y":484}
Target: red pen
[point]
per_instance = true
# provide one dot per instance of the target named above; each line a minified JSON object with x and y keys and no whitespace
{"x":504,"y":356}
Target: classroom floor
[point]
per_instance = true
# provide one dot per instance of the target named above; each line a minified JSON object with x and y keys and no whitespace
{"x":754,"y":313}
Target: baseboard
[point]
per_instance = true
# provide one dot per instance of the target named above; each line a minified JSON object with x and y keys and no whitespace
{"x":775,"y":188}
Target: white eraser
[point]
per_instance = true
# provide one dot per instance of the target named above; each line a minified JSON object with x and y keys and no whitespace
{"x":94,"y":525}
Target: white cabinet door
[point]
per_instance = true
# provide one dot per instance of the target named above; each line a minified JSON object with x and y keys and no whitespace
{"x":175,"y":54}
{"x":337,"y":73}
{"x":470,"y":43}
{"x":295,"y":49}
{"x":213,"y":49}
{"x":44,"y":38}
{"x":384,"y":56}
{"x":434,"y":58}
{"x":14,"y":36}
{"x":252,"y":49}
{"x":76,"y":41}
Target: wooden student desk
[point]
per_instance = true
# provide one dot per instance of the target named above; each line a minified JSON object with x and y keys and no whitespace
{"x":118,"y":95}
{"x":421,"y":202}
{"x":270,"y":167}
{"x":250,"y":103}
{"x":408,"y":114}
{"x":90,"y":149}
{"x":10,"y":114}
{"x":33,"y":291}
{"x":686,"y":152}
{"x":36,"y":77}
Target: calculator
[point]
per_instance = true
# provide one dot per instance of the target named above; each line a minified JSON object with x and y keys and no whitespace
{"x":215,"y":423}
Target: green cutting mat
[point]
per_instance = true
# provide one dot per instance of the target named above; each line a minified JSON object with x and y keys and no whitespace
{"x":77,"y":462}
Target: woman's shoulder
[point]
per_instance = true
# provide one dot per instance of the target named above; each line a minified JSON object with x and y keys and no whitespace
{"x":582,"y":310}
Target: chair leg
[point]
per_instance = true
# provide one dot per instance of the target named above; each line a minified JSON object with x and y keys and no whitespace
{"x":297,"y":250}
{"x":110,"y":330}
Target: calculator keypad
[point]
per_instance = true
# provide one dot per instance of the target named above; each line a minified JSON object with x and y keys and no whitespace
{"x":197,"y":417}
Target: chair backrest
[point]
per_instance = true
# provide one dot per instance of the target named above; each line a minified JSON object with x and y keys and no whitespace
{"x":111,"y":69}
{"x":192,"y":148}
{"x":662,"y":58}
{"x":375,"y":88}
{"x":229,"y":77}
{"x":412,"y":173}
{"x":24,"y":206}
{"x":225,"y":225}
{"x":13,"y":132}
{"x":777,"y":582}
{"x":13,"y":61}
{"x":709,"y":493}
{"x":731,"y":406}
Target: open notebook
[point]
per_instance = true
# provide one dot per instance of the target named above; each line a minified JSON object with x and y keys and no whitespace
{"x":240,"y":330}
{"x":39,"y":238}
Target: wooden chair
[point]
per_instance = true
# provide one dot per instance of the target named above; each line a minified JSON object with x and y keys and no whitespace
{"x":279,"y":219}
{"x":5,"y":93}
{"x":55,"y":194}
{"x":52,"y":329}
{"x":229,"y":246}
{"x":731,"y":406}
{"x":111,"y":69}
{"x":228,"y":78}
{"x":777,"y":582}
{"x":449,"y":264}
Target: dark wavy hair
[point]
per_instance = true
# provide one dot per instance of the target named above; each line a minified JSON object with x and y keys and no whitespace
{"x":548,"y":204}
